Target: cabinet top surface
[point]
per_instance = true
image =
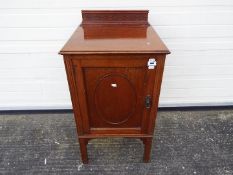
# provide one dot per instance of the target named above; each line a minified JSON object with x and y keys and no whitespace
{"x":114,"y":32}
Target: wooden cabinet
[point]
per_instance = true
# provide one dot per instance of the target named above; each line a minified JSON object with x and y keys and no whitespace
{"x":114,"y":63}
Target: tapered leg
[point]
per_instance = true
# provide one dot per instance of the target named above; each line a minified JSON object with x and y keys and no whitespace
{"x":83,"y":150}
{"x":147,"y":149}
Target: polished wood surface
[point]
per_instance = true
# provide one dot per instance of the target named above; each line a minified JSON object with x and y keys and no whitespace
{"x":144,"y":40}
{"x":109,"y":80}
{"x":114,"y":90}
{"x":123,"y":36}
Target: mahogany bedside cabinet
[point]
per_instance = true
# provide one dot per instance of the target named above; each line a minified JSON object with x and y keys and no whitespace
{"x":114,"y":63}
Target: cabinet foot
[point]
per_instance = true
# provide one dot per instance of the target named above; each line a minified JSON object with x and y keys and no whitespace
{"x":147,"y":149}
{"x":83,"y":150}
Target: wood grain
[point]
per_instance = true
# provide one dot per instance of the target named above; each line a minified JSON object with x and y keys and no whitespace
{"x":115,"y":17}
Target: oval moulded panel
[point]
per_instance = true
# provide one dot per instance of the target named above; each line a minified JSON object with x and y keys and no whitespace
{"x":115,"y":98}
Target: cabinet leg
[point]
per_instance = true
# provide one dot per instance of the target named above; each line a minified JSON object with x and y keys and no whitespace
{"x":83,"y":150}
{"x":147,"y":149}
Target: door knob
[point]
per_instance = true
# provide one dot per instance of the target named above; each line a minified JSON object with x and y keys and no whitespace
{"x":148,"y":101}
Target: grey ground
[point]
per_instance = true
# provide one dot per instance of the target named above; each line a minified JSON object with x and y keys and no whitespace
{"x":188,"y":142}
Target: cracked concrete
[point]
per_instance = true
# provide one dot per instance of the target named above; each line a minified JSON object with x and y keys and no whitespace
{"x":185,"y":142}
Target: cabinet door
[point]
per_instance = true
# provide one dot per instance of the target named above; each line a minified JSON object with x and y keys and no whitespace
{"x":116,"y":93}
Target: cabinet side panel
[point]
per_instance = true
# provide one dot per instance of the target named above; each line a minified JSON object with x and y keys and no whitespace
{"x":73,"y":94}
{"x":80,"y":88}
